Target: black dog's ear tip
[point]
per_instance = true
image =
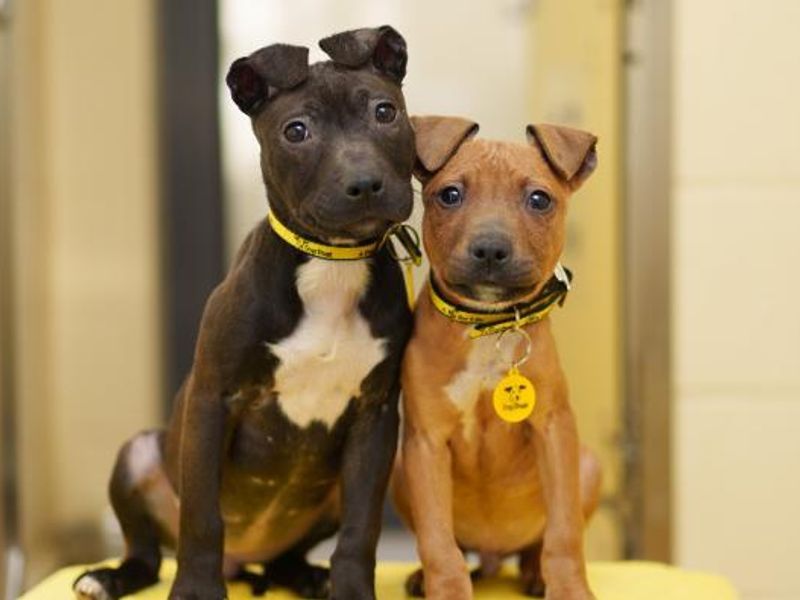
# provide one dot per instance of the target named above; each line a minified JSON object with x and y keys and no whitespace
{"x":246,"y":86}
{"x":254,"y":78}
{"x":235,"y":66}
{"x":391,"y":31}
{"x":328,"y":43}
{"x":298,"y":53}
{"x":383,"y":46}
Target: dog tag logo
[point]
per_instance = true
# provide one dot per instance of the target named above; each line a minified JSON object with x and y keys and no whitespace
{"x":514,"y":397}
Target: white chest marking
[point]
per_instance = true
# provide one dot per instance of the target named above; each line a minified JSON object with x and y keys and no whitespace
{"x":324,"y":361}
{"x":484,"y":369}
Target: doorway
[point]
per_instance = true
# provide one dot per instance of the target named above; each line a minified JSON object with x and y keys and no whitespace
{"x":504,"y":64}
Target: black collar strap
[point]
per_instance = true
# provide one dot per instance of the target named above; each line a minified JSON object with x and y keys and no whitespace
{"x":489,"y":322}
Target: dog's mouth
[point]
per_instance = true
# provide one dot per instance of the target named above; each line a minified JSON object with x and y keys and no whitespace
{"x":344,"y":222}
{"x":365,"y":230}
{"x":489,"y":296}
{"x":345,"y":232}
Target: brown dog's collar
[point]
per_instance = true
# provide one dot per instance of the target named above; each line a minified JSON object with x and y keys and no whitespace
{"x":489,"y":322}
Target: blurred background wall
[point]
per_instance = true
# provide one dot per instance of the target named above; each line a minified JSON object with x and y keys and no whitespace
{"x":83,"y":163}
{"x":736,"y":206}
{"x":85,"y":242}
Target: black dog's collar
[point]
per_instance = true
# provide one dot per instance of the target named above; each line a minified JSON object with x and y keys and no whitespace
{"x":489,"y":322}
{"x":405,"y":234}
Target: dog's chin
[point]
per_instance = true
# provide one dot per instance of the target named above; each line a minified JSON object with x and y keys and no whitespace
{"x":367,"y":229}
{"x":335,"y":231}
{"x":490,"y":296}
{"x":351,"y":228}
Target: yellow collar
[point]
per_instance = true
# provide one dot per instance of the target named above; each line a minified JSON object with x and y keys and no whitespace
{"x":405,"y":234}
{"x":488,"y":322}
{"x":318,"y":249}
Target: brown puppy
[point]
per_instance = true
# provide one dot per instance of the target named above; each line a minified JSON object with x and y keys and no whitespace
{"x":466,"y":479}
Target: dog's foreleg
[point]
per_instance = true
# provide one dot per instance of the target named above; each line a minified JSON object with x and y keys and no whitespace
{"x":558,"y":454}
{"x":427,"y":475}
{"x":201,"y":530}
{"x":367,"y":461}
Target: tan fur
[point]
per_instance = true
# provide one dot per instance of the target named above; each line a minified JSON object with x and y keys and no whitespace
{"x":465,"y":478}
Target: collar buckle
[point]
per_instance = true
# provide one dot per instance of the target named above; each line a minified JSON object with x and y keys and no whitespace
{"x":408,"y":238}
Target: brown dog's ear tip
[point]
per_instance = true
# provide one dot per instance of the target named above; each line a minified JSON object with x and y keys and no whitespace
{"x":571,"y":152}
{"x":468,"y":126}
{"x":532,"y":130}
{"x":438,"y":138}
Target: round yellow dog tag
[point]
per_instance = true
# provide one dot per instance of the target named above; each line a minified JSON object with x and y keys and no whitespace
{"x":514,"y":397}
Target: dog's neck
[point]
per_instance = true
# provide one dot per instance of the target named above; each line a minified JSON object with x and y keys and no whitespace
{"x":491,"y":321}
{"x":331,"y":251}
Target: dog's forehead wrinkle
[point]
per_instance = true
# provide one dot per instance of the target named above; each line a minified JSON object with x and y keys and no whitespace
{"x":499,"y":171}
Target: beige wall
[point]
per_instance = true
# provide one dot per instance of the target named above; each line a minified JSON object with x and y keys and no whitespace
{"x":85,"y":200}
{"x":736,"y":318}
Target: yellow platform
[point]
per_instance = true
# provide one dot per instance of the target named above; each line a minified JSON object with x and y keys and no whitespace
{"x":610,"y":581}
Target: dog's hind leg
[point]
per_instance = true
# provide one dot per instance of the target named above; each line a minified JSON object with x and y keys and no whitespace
{"x":292,"y":570}
{"x":146,"y":508}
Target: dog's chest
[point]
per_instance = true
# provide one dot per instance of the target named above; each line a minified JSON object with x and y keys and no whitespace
{"x":331,"y":351}
{"x":482,"y":370}
{"x":485,"y":365}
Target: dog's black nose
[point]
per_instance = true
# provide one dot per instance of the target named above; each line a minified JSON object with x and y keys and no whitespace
{"x":490,"y":250}
{"x":365,"y":187}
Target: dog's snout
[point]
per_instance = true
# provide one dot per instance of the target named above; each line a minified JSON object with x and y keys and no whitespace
{"x":490,"y":251}
{"x":364,"y":187}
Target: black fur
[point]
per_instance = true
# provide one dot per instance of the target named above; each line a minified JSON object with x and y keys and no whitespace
{"x":228,"y":433}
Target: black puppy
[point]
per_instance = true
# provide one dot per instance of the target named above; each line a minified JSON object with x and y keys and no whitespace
{"x":285,"y":429}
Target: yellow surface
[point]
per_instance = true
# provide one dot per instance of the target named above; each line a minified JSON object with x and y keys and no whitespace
{"x":610,"y":581}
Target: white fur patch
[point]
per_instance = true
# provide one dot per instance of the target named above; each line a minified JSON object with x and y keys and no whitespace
{"x":332,"y":350}
{"x":485,"y":367}
{"x":143,"y":456}
{"x":87,"y":587}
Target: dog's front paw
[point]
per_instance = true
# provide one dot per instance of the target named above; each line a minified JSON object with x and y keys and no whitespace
{"x":203,"y":588}
{"x":534,"y":588}
{"x":578,"y":591}
{"x":95,"y":585}
{"x":448,"y":588}
{"x":351,"y":580}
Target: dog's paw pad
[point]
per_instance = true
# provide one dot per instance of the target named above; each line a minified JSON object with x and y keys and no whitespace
{"x":89,"y":587}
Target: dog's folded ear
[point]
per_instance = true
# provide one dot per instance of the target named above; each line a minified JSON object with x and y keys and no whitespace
{"x":383,"y":46}
{"x":571,"y":153}
{"x":253,"y":79}
{"x":437,"y":140}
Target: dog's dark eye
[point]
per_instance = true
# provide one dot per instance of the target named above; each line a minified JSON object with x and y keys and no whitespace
{"x":539,"y":200}
{"x":295,"y":132}
{"x":450,"y":196}
{"x":385,"y":112}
